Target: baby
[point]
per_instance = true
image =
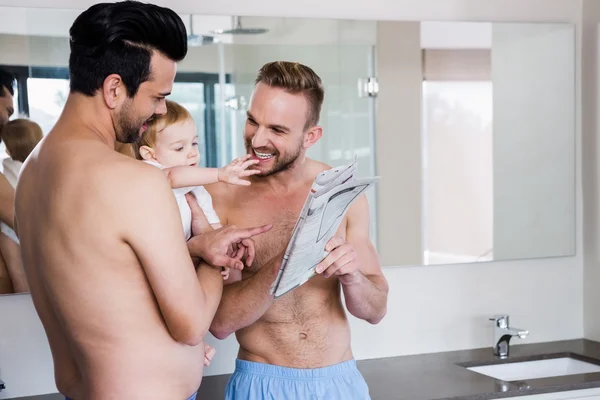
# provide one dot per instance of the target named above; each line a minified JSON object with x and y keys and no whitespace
{"x":171,"y":144}
{"x":20,"y":137}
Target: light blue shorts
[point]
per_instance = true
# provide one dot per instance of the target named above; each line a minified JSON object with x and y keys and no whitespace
{"x":192,"y":397}
{"x":258,"y":381}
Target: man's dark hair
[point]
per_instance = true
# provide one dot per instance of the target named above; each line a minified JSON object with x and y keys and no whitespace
{"x":119,"y":38}
{"x":7,"y":80}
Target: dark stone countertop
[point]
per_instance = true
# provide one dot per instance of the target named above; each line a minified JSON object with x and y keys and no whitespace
{"x":440,"y":376}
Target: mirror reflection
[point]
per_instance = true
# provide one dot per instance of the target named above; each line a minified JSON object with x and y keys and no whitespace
{"x":469,"y":125}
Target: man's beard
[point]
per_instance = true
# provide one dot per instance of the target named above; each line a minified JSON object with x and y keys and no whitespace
{"x":279,"y":164}
{"x":127,"y":130}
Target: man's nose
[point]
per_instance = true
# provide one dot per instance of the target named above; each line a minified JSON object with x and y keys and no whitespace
{"x":161,"y":108}
{"x":260,"y":138}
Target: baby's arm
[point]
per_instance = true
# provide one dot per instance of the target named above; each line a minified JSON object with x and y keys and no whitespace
{"x":184,"y":176}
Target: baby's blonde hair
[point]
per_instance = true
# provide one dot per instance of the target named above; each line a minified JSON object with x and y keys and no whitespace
{"x":175,"y":113}
{"x":20,"y":137}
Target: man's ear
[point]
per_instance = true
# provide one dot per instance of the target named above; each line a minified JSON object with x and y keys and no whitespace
{"x":312,"y":136}
{"x":113,"y":91}
{"x":147,"y":153}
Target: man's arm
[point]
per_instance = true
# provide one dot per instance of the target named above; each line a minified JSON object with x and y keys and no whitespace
{"x":187,"y":298}
{"x":245,"y":301}
{"x":354,"y":261}
{"x":7,"y":202}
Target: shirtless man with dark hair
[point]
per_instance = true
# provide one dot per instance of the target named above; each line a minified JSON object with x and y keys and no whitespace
{"x":124,"y":307}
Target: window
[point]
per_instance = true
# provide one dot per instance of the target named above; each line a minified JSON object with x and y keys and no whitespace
{"x":191,"y":96}
{"x":457,"y":171}
{"x":47,"y":98}
{"x":16,"y":104}
{"x":196,"y":92}
{"x":41,"y":93}
{"x":229,"y":110}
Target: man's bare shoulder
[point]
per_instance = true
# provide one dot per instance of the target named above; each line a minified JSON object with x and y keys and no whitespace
{"x":129,"y":177}
{"x":111,"y":169}
{"x":315,"y":167}
{"x":131,"y":191}
{"x":98,"y":168}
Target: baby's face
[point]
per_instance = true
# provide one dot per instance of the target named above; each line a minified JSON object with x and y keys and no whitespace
{"x":177,"y":145}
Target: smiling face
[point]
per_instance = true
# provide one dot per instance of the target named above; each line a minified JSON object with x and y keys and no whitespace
{"x":275,"y":132}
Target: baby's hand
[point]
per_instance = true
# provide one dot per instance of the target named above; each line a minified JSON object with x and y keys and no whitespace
{"x":225,"y":273}
{"x":238,"y":169}
{"x":209,"y":353}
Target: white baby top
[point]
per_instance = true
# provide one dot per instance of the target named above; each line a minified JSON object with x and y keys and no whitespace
{"x":202,"y":197}
{"x":11,"y":170}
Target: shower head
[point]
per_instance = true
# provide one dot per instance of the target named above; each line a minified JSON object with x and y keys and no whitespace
{"x":238,"y":30}
{"x":200,"y":40}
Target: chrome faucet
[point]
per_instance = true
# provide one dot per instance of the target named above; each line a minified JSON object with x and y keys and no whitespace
{"x":503,"y":333}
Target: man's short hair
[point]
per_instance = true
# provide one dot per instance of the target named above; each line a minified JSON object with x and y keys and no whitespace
{"x":295,"y":78}
{"x":119,"y":38}
{"x":7,"y":80}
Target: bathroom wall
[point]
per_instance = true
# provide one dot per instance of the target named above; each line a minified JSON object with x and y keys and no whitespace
{"x":398,"y":120}
{"x":533,"y":211}
{"x":430,"y":308}
{"x":591,"y":168}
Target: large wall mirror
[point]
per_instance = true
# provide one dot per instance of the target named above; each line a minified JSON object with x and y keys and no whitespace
{"x":471,"y":126}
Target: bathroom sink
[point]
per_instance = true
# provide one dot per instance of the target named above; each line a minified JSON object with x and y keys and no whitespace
{"x":517,"y":371}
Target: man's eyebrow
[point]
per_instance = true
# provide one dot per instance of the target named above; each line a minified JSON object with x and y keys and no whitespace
{"x":280,"y":127}
{"x":165,"y":94}
{"x":273,"y":126}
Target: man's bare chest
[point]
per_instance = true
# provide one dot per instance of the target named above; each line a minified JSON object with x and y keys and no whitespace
{"x":281,"y":213}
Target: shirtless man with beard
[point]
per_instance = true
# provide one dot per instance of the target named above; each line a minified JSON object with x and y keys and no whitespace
{"x":124,"y":307}
{"x":298,"y":346}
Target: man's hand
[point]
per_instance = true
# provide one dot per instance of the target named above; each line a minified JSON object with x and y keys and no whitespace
{"x":200,"y":223}
{"x":342,"y":261}
{"x":223,"y":247}
{"x":213,"y":247}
